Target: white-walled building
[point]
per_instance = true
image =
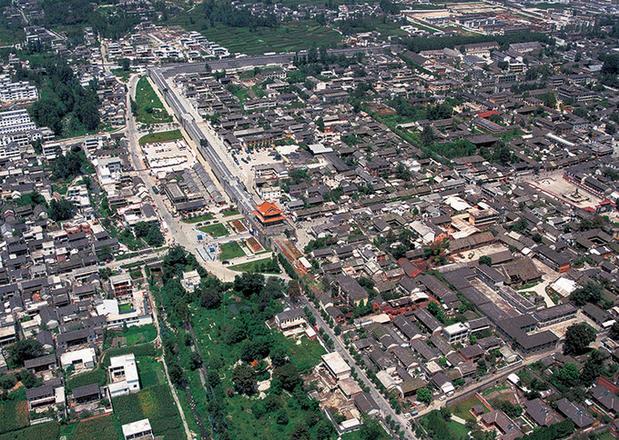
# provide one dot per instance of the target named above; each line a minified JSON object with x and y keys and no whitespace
{"x":123,"y":375}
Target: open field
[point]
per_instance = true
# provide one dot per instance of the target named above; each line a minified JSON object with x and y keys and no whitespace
{"x":101,"y":428}
{"x":149,"y":109}
{"x":150,"y":371}
{"x":155,"y":404}
{"x":13,"y":415}
{"x":160,"y":137}
{"x":97,"y":375}
{"x":286,"y":37}
{"x":436,"y":425}
{"x":463,"y":408}
{"x":130,"y":336}
{"x":43,"y":431}
{"x":198,"y":218}
{"x":230,"y":251}
{"x":215,"y":230}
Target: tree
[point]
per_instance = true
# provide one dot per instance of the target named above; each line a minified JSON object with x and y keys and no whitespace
{"x":176,"y":374}
{"x":258,"y":348}
{"x":282,"y":418}
{"x":324,"y":430}
{"x":424,"y":395}
{"x":371,"y":430}
{"x":590,"y":292}
{"x":294,"y":291}
{"x":7,"y":381}
{"x":23,"y":350}
{"x":320,"y":124}
{"x":235,"y":332}
{"x":437,"y":311}
{"x":279,"y":355}
{"x":288,"y":376}
{"x":427,"y":136}
{"x":29,"y":379}
{"x":577,"y":338}
{"x":150,"y":232}
{"x":300,"y":433}
{"x":125,"y":64}
{"x":614,"y":331}
{"x":210,"y":298}
{"x":520,"y":225}
{"x":195,"y":361}
{"x":593,"y":367}
{"x":244,"y":379}
{"x":568,"y":375}
{"x":61,"y":210}
{"x":248,"y":283}
{"x":401,"y":172}
{"x":485,"y":260}
{"x":550,"y":100}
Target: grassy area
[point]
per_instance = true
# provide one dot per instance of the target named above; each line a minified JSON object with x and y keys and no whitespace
{"x":121,"y":74}
{"x":360,"y":435}
{"x":125,"y":308}
{"x":198,"y":218}
{"x":162,"y":136}
{"x":13,"y":415}
{"x":230,"y":250}
{"x":245,"y":422}
{"x":150,"y":371}
{"x":137,"y":334}
{"x":215,"y":230}
{"x":101,"y":428}
{"x":156,"y":405}
{"x":494,"y":389}
{"x":438,"y":427}
{"x":97,"y":375}
{"x":146,"y":350}
{"x":550,"y":6}
{"x":148,"y":106}
{"x":288,"y":37}
{"x":304,"y":355}
{"x":43,"y":431}
{"x":264,"y":265}
{"x":463,"y":409}
{"x":241,"y":92}
{"x":230,"y":212}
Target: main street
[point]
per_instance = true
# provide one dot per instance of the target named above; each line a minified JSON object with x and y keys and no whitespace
{"x":181,"y":233}
{"x":208,"y":144}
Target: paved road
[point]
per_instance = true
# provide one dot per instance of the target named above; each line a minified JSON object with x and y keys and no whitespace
{"x":177,"y":231}
{"x":208,"y":145}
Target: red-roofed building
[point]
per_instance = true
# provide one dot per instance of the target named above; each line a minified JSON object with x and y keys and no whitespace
{"x":269,"y":214}
{"x":488,"y":113}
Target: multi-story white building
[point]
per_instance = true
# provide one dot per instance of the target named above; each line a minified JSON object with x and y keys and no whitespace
{"x":457,"y":332}
{"x":17,"y":126}
{"x":19,"y":91}
{"x":123,"y":372}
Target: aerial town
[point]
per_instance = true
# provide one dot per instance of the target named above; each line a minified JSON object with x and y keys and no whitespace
{"x":309,"y":220}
